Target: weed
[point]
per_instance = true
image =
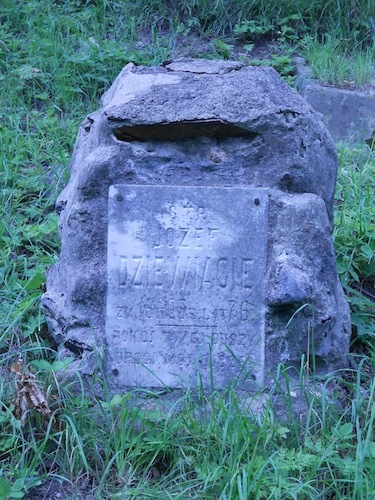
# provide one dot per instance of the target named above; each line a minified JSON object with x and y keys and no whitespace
{"x":254,"y":30}
{"x":223,"y":49}
{"x":283,"y":64}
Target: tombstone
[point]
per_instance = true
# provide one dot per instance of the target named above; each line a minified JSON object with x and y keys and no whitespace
{"x":196,"y":233}
{"x":349,"y":114}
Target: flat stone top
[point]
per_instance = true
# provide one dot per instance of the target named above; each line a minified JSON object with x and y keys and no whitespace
{"x":190,"y":90}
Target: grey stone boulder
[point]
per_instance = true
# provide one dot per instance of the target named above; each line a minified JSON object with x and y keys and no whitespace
{"x":214,"y":124}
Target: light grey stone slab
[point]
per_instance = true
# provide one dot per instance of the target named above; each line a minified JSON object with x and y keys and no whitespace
{"x":349,"y":115}
{"x":186,"y":269}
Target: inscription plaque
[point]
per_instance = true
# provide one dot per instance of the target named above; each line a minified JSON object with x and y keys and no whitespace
{"x":185,"y":299}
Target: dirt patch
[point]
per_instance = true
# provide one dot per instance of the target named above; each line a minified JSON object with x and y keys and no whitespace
{"x":54,"y":489}
{"x":198,"y":47}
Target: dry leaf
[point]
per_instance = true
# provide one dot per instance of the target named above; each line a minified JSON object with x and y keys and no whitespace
{"x":28,"y":395}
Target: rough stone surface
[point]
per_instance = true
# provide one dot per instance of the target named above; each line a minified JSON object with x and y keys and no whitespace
{"x":349,"y":115}
{"x":181,"y":126}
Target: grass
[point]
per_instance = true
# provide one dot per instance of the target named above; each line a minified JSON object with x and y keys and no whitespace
{"x":110,"y":448}
{"x":354,"y":236}
{"x":55,"y":61}
{"x":331,"y":64}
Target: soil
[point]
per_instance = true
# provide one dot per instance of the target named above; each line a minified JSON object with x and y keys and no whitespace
{"x":54,"y":489}
{"x":195,"y":46}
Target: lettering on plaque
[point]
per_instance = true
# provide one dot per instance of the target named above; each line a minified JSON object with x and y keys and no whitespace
{"x":186,"y":270}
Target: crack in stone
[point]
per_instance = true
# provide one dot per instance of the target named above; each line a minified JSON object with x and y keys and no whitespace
{"x":181,"y":130}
